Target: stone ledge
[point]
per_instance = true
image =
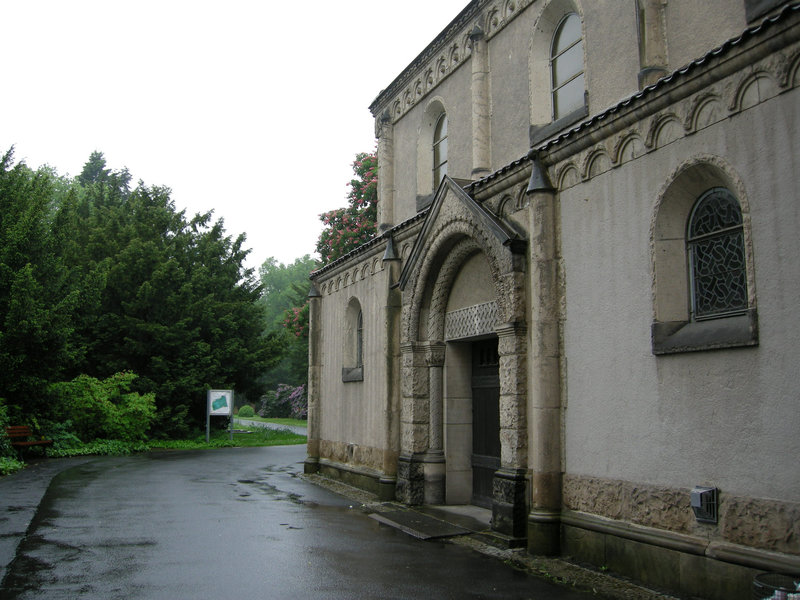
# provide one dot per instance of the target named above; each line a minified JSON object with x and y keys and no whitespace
{"x":731,"y":553}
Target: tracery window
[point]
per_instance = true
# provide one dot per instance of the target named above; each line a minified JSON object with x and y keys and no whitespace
{"x":715,"y":246}
{"x":566,"y":67}
{"x":704,"y":289}
{"x":440,"y":150}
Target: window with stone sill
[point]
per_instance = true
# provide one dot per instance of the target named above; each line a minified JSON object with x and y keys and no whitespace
{"x":557,"y":72}
{"x":354,"y":343}
{"x":432,"y":151}
{"x":440,"y":150}
{"x":566,"y":67}
{"x":702,"y":271}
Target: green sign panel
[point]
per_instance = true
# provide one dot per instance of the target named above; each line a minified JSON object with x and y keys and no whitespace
{"x":220,"y":402}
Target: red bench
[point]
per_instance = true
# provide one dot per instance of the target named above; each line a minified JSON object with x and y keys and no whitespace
{"x":19,"y":436}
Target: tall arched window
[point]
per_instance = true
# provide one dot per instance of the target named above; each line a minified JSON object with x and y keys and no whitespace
{"x":703,"y":272}
{"x":360,"y":340}
{"x":715,"y":246}
{"x":353,"y":338}
{"x":566,"y":67}
{"x":440,"y":150}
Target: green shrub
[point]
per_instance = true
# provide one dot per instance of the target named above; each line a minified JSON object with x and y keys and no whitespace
{"x":104,"y":409}
{"x":5,"y":446}
{"x":9,"y":465}
{"x":101,"y":448}
{"x":62,"y":435}
{"x":247,"y":411}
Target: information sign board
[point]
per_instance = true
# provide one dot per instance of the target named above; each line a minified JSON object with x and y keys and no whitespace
{"x":220,"y":402}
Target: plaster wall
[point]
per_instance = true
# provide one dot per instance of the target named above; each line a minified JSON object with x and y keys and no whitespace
{"x":510,"y":90}
{"x":693,"y":28}
{"x":354,"y":412}
{"x":612,"y":61}
{"x":726,"y":418}
{"x":454,"y":95}
{"x":473,"y":284}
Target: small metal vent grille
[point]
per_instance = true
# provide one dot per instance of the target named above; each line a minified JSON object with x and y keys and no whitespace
{"x":472,"y":321}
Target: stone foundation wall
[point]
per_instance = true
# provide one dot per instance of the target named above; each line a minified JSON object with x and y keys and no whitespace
{"x":755,"y":522}
{"x":352,"y":454}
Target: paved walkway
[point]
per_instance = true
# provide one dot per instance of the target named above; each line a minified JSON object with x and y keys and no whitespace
{"x":231,"y":522}
{"x":201,"y":524}
{"x":249,"y":423}
{"x":20,"y":496}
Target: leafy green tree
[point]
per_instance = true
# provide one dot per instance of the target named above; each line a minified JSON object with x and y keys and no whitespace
{"x":286,"y":286}
{"x":282,"y":284}
{"x":177,"y":306}
{"x":37,"y":298}
{"x":348,"y":228}
{"x":97,"y":278}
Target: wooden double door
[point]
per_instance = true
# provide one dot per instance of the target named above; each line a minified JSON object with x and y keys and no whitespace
{"x":485,"y":420}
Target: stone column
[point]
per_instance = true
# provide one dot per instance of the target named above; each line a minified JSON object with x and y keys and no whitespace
{"x":481,"y":150}
{"x":434,"y":457}
{"x":545,"y":382}
{"x":314,"y":373}
{"x":652,"y":41}
{"x":384,"y":131}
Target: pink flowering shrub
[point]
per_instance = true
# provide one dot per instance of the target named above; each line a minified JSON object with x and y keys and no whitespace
{"x":295,"y":319}
{"x":285,"y":402}
{"x":348,"y":228}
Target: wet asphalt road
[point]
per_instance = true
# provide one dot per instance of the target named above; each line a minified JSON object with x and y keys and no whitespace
{"x":233,"y":523}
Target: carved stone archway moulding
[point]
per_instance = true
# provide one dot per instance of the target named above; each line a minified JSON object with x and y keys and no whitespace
{"x":457,"y":228}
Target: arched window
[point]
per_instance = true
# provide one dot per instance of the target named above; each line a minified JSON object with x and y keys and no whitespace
{"x":566,"y":67}
{"x":360,"y":340}
{"x":353,"y":351}
{"x":440,"y":150}
{"x":703,"y":274}
{"x":715,"y":246}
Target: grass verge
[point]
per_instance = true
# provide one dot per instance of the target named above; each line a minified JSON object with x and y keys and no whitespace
{"x":255,"y":436}
{"x":246,"y":437}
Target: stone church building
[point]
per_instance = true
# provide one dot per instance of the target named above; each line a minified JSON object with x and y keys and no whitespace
{"x":581,"y":310}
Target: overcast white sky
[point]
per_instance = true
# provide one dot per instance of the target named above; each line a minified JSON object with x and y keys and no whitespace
{"x":252,"y":108}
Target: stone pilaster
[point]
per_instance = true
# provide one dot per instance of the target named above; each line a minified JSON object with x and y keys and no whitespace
{"x":509,"y":506}
{"x":391,"y":351}
{"x":314,"y":373}
{"x":545,"y":383}
{"x":415,"y":423}
{"x":481,"y":153}
{"x":652,"y":41}
{"x":384,"y":131}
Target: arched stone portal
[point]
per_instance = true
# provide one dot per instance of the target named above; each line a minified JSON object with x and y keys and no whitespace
{"x":456,"y":231}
